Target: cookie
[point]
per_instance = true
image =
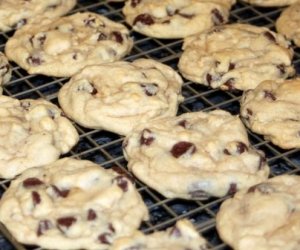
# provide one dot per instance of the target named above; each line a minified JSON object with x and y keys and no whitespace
{"x":16,"y":13}
{"x":33,"y":133}
{"x":264,"y":217}
{"x":175,"y":19}
{"x":195,"y":155}
{"x":118,"y":96}
{"x":66,"y":45}
{"x":182,"y":236}
{"x":5,"y":70}
{"x":71,"y":204}
{"x":270,"y":3}
{"x":236,"y":56}
{"x":273,"y":110}
{"x":288,"y":23}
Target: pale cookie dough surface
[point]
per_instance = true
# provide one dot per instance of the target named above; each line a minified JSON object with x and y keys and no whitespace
{"x":118,"y":96}
{"x":66,"y":45}
{"x":175,"y":18}
{"x":195,"y":155}
{"x":71,"y":204}
{"x":288,"y":23}
{"x":5,"y":70}
{"x":264,"y":217}
{"x":16,"y":13}
{"x":236,"y":56}
{"x":32,"y":133}
{"x":182,"y":236}
{"x":273,"y":110}
{"x":270,"y":3}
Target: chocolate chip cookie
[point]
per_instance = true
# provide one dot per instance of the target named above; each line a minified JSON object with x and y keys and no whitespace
{"x":71,"y":204}
{"x":195,"y":155}
{"x":236,"y":56}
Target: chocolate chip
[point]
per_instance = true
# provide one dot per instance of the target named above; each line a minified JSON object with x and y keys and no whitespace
{"x":183,"y":123}
{"x":65,"y":222}
{"x":226,"y":151}
{"x":147,"y":137}
{"x":150,"y":89}
{"x":229,"y":84}
{"x":208,"y":78}
{"x":36,"y":198}
{"x":231,"y":66}
{"x":217,"y":17}
{"x":241,"y":147}
{"x":61,"y":193}
{"x":34,"y":60}
{"x":101,"y":37}
{"x":262,"y":162}
{"x":183,"y":147}
{"x":91,"y":215}
{"x":199,"y":195}
{"x":269,"y":95}
{"x":134,"y":3}
{"x":144,"y":19}
{"x":249,"y":111}
{"x":32,"y":182}
{"x":175,"y":232}
{"x":270,"y":36}
{"x":105,"y":238}
{"x":43,"y":226}
{"x":232,"y":189}
{"x":281,"y":68}
{"x":117,"y":36}
{"x":122,"y":172}
{"x":94,"y":91}
{"x":74,"y":56}
{"x":20,"y":23}
{"x":111,"y":228}
{"x":90,"y":21}
{"x":263,"y":188}
{"x":39,"y":38}
{"x":122,"y":182}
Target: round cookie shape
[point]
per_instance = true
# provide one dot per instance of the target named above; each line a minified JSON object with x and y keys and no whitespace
{"x":273,"y":109}
{"x":33,"y":133}
{"x":181,"y":236}
{"x":66,"y":45}
{"x":195,"y":155}
{"x":175,"y":18}
{"x":71,"y":204}
{"x":16,"y":13}
{"x":5,"y":70}
{"x":236,"y":56}
{"x":117,"y":96}
{"x":270,"y":3}
{"x":264,"y":217}
{"x":288,"y":23}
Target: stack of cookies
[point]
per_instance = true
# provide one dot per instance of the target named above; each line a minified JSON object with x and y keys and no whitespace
{"x":55,"y":201}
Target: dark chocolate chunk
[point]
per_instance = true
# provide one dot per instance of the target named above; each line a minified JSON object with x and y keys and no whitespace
{"x":101,"y":37}
{"x":270,"y":36}
{"x":117,"y":36}
{"x":183,"y":123}
{"x":241,"y":147}
{"x":122,"y":182}
{"x":147,"y":137}
{"x":134,"y":3}
{"x":90,"y":21}
{"x":150,"y":89}
{"x":231,"y":66}
{"x":32,"y":182}
{"x":111,"y":228}
{"x":61,"y":193}
{"x":122,"y":172}
{"x":94,"y":91}
{"x":229,"y":84}
{"x":91,"y":215}
{"x":43,"y":226}
{"x":34,"y":60}
{"x":249,"y":111}
{"x":65,"y":222}
{"x":144,"y":19}
{"x":217,"y":17}
{"x":269,"y":95}
{"x":36,"y":198}
{"x":183,"y":147}
{"x":105,"y":238}
{"x":281,"y":68}
{"x":232,"y":189}
{"x":208,"y":78}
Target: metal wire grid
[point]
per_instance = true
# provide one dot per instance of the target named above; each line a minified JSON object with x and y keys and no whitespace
{"x":105,"y":148}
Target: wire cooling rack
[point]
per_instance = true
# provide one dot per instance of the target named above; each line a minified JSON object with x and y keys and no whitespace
{"x":105,"y":148}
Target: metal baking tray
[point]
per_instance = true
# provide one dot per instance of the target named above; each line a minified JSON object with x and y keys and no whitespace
{"x":105,"y":148}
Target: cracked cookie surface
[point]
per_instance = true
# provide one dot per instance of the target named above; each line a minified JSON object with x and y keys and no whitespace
{"x":272,"y":109}
{"x":263,"y":217}
{"x":195,"y":155}
{"x":71,"y":204}
{"x":236,"y":56}
{"x":175,"y":18}
{"x":65,"y":46}
{"x":33,"y":133}
{"x":138,"y":91}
